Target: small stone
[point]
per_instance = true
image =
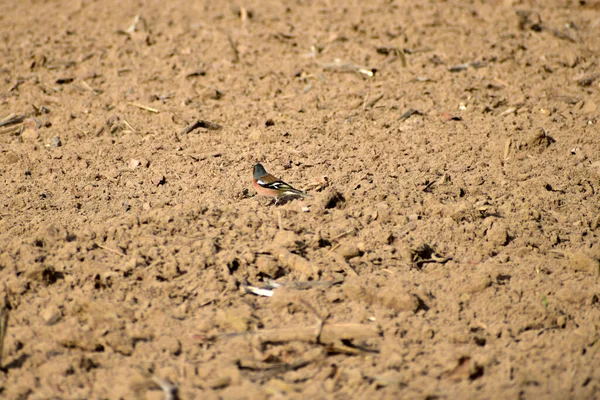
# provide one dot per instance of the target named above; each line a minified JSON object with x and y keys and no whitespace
{"x":30,"y":135}
{"x":477,"y":284}
{"x":579,"y":261}
{"x":255,"y":135}
{"x":51,"y":315}
{"x":11,"y":158}
{"x":133,"y":263}
{"x":158,"y":180}
{"x":589,"y":107}
{"x":55,"y":142}
{"x":414,"y":217}
{"x":349,"y":250}
{"x":133,"y":164}
{"x":397,"y":299}
{"x":497,"y":235}
{"x":267,"y":266}
{"x":112,"y":173}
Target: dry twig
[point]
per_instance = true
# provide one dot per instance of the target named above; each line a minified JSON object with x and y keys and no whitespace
{"x":169,"y":389}
{"x":4,"y":310}
{"x":268,"y":289}
{"x":12,"y":120}
{"x":211,"y":126}
{"x":265,"y":292}
{"x":303,"y":285}
{"x":327,"y":334}
{"x":143,"y":107}
{"x":236,"y":52}
{"x":372,"y":102}
{"x":339,"y":66}
{"x":109,"y":249}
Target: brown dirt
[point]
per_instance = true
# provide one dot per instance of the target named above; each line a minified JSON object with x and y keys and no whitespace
{"x":459,"y":241}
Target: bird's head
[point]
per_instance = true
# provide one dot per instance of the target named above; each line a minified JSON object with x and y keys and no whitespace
{"x":259,"y":171}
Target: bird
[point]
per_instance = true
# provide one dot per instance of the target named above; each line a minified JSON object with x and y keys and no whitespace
{"x":269,"y":186}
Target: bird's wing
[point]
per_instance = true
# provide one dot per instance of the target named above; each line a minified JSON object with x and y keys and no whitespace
{"x":285,"y":189}
{"x":276,"y":185}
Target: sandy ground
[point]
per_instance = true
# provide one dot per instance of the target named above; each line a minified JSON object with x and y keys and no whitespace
{"x":450,"y":248}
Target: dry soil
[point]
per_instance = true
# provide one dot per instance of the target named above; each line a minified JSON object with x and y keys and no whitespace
{"x":450,"y":248}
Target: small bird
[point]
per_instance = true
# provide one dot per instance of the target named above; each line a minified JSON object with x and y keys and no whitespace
{"x":267,"y":185}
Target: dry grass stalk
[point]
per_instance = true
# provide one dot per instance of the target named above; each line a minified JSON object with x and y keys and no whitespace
{"x":4,"y":311}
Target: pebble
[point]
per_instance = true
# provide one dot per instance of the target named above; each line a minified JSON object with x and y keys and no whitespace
{"x":497,"y":235}
{"x":583,"y":262}
{"x":286,"y":239}
{"x":267,"y":266}
{"x":589,"y":107}
{"x":158,"y":180}
{"x":112,"y":173}
{"x":349,"y":250}
{"x":255,"y":135}
{"x":30,"y":135}
{"x":133,"y":164}
{"x":397,"y":299}
{"x":476,"y":284}
{"x":55,"y":142}
{"x":51,"y":315}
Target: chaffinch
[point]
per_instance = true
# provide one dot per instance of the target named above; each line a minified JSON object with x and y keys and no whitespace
{"x":267,"y":185}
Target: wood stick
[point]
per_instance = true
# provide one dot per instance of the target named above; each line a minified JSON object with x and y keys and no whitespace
{"x":374,"y":101}
{"x":236,"y":52}
{"x":169,"y":389}
{"x":12,"y":120}
{"x":109,"y":249}
{"x":211,"y":126}
{"x":303,"y":285}
{"x":143,"y":107}
{"x":11,"y":130}
{"x":326,"y":334}
{"x":4,"y":310}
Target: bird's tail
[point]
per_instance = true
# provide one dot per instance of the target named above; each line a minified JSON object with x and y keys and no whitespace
{"x":291,"y":192}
